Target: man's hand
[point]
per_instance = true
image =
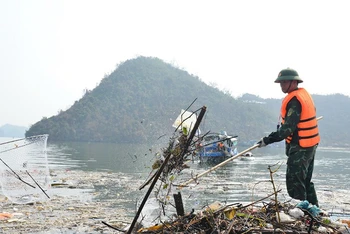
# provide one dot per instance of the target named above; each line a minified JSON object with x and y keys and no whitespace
{"x":261,"y":143}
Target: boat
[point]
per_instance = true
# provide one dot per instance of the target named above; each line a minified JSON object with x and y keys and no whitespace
{"x":209,"y":147}
{"x":216,"y":147}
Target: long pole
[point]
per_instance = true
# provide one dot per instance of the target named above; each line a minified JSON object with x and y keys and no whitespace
{"x":223,"y":163}
{"x":219,"y":165}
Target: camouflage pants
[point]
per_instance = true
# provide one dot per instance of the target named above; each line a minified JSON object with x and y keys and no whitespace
{"x":300,"y":166}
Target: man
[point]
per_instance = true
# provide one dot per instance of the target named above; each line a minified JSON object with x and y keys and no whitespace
{"x":300,"y":131}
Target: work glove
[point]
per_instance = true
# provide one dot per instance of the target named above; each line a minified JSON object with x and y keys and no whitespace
{"x":261,"y":143}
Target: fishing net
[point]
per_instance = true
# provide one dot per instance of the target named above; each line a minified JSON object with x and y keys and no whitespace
{"x":24,"y":172}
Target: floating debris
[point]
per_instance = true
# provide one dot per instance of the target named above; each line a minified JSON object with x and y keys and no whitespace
{"x":73,"y":208}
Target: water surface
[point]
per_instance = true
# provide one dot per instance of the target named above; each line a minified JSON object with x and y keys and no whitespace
{"x":242,"y":180}
{"x":238,"y":181}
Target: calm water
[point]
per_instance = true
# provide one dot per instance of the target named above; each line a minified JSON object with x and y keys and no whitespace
{"x":238,"y":181}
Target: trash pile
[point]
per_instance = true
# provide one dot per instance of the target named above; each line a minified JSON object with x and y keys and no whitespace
{"x":257,"y":217}
{"x":236,"y":218}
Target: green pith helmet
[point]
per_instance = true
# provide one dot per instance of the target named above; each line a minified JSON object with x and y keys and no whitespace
{"x":288,"y":74}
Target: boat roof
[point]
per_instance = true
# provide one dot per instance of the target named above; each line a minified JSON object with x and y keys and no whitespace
{"x":218,"y":136}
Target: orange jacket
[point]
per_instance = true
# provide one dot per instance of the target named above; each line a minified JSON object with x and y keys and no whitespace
{"x":307,"y":127}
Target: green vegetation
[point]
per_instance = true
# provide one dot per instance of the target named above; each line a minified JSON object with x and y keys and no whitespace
{"x":139,"y":101}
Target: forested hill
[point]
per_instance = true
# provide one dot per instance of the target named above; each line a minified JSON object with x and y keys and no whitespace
{"x":139,"y":101}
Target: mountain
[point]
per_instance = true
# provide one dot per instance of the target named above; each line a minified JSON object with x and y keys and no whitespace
{"x":9,"y":130}
{"x":139,"y":101}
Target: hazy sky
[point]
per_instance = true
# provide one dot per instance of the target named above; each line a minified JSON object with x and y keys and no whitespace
{"x":51,"y":50}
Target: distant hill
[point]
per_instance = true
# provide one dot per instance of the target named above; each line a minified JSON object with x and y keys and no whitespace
{"x":334,"y":109}
{"x":139,"y":101}
{"x":9,"y":130}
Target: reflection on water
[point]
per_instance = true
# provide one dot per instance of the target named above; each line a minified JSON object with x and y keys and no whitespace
{"x":61,"y":157}
{"x":126,"y":158}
